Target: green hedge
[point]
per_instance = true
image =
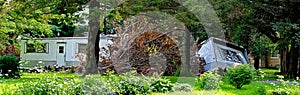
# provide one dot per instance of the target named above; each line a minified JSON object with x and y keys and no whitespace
{"x":9,"y":66}
{"x":125,"y":84}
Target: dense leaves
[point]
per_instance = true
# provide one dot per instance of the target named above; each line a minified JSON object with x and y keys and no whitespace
{"x":208,"y":81}
{"x":9,"y":67}
{"x":126,"y":84}
{"x":241,"y":75}
{"x":36,"y":19}
{"x":258,"y":25}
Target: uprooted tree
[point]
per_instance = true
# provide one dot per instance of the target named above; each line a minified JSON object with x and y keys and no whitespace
{"x":148,"y":47}
{"x":180,"y":10}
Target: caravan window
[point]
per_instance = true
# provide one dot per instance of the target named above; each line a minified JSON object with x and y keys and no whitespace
{"x":230,"y":55}
{"x":82,"y":48}
{"x":61,"y":49}
{"x":36,"y":48}
{"x":274,"y":54}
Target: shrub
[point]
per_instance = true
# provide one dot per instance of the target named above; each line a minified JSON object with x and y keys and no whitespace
{"x":280,"y":91}
{"x":162,"y":85}
{"x":241,"y":75}
{"x":261,"y":90}
{"x":96,"y":85}
{"x":9,"y":66}
{"x":183,"y":87}
{"x":125,"y":84}
{"x":50,"y":85}
{"x":130,"y":83}
{"x":208,"y":81}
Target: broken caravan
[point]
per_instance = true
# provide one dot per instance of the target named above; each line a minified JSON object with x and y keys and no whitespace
{"x":221,"y":54}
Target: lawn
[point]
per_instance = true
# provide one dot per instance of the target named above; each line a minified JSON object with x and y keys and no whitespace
{"x":10,"y":85}
{"x":254,"y":88}
{"x":270,"y":74}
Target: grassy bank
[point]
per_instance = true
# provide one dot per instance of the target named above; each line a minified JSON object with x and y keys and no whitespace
{"x":254,"y":88}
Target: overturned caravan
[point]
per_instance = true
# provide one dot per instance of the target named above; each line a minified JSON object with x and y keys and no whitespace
{"x":221,"y":54}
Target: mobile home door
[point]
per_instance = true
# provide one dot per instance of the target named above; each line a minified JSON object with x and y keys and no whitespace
{"x":61,"y":54}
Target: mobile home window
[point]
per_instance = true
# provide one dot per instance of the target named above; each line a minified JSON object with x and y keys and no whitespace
{"x":38,"y":48}
{"x":275,"y":54}
{"x":82,"y":48}
{"x":230,"y":55}
{"x":61,"y":49}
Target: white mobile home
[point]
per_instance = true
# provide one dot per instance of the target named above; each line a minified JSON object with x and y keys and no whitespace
{"x":51,"y":51}
{"x":219,"y":53}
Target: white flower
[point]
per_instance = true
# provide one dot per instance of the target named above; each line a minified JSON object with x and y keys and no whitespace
{"x":297,"y":78}
{"x":9,"y":70}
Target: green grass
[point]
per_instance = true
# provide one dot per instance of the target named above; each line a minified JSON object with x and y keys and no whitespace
{"x":254,"y":88}
{"x":11,"y":85}
{"x":270,"y":74}
{"x":251,"y":89}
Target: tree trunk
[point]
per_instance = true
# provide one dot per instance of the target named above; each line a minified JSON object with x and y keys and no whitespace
{"x":256,"y":63}
{"x":265,"y":58}
{"x":293,"y":64}
{"x":185,"y":69}
{"x":298,"y":61}
{"x":283,"y":57}
{"x":93,"y":44}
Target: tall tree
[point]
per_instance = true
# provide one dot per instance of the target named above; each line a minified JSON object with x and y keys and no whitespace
{"x":276,"y":19}
{"x":93,"y":38}
{"x":27,"y":19}
{"x":36,"y":19}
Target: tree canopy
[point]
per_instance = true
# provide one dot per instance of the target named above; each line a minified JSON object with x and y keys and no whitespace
{"x":36,"y":19}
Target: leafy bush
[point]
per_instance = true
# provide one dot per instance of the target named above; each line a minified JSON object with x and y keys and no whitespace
{"x":130,"y":83}
{"x":280,"y":91}
{"x":9,"y":66}
{"x":125,"y":84}
{"x":96,"y":85}
{"x":241,"y":75}
{"x":50,"y":85}
{"x":285,"y":90}
{"x":261,"y":90}
{"x":183,"y":87}
{"x":208,"y":81}
{"x":162,"y":85}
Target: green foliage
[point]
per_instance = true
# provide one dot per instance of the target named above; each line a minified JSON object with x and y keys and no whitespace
{"x":125,"y":84}
{"x":208,"y":81}
{"x":37,"y":19}
{"x":47,"y":85}
{"x":241,"y":75}
{"x":261,"y":91}
{"x":162,"y":85}
{"x":130,"y":83}
{"x":183,"y":87}
{"x":96,"y":85}
{"x":280,"y":91}
{"x":10,"y":86}
{"x":284,"y":88}
{"x":177,"y":72}
{"x":284,"y":33}
{"x":133,"y":7}
{"x":9,"y":66}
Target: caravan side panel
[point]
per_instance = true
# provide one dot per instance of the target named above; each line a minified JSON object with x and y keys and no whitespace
{"x":48,"y":57}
